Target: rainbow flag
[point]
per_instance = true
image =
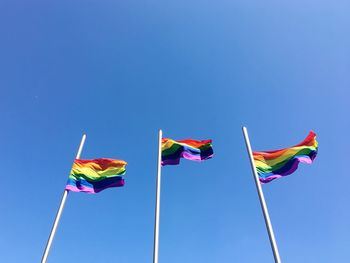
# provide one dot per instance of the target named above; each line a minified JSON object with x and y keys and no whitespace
{"x":93,"y":176}
{"x":193,"y":150}
{"x":274,"y":164}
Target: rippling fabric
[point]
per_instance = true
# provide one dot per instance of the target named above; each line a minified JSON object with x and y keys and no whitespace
{"x":173,"y":151}
{"x":93,"y":176}
{"x":275,"y":164}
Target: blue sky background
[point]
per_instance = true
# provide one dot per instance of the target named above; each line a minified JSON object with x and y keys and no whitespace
{"x":119,"y":71}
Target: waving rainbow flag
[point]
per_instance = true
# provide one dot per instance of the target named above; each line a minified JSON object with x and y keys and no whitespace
{"x":193,"y":150}
{"x":274,"y":164}
{"x":93,"y":176}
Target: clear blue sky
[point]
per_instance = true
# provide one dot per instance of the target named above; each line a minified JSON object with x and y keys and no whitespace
{"x":119,"y":71}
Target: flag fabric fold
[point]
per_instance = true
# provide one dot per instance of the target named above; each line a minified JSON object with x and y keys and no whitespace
{"x":275,"y":164}
{"x":93,"y":176}
{"x":173,"y":151}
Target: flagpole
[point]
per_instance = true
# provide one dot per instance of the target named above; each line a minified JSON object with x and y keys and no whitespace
{"x":156,"y":223}
{"x":262,"y":199}
{"x":60,"y":209}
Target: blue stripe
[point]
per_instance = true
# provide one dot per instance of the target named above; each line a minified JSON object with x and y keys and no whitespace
{"x":97,"y":186}
{"x":193,"y":151}
{"x":289,"y":167}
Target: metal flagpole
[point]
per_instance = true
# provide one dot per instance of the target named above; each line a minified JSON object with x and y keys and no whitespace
{"x":60,"y":209}
{"x":262,"y":199}
{"x":156,"y":223}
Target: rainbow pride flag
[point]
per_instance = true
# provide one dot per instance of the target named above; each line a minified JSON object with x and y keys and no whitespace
{"x":275,"y":164}
{"x":93,"y":176}
{"x":193,"y":150}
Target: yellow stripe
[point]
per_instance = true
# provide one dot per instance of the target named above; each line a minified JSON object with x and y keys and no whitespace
{"x":169,"y":143}
{"x":287,"y":154}
{"x":95,"y":174}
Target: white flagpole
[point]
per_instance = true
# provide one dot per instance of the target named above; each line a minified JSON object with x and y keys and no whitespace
{"x":156,"y":223}
{"x":60,"y":209}
{"x":262,"y":199}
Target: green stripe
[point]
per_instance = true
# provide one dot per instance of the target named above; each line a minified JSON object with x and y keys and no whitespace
{"x":86,"y":177}
{"x":171,"y":150}
{"x":205,"y":146}
{"x":305,"y":151}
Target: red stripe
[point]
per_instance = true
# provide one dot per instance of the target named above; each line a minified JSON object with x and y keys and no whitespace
{"x":104,"y":163}
{"x":193,"y":143}
{"x":268,"y":155}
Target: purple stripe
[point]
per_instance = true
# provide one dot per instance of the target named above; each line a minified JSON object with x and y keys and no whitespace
{"x":190,"y":153}
{"x":286,"y":170}
{"x":186,"y":156}
{"x":82,"y":185}
{"x":80,"y":189}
